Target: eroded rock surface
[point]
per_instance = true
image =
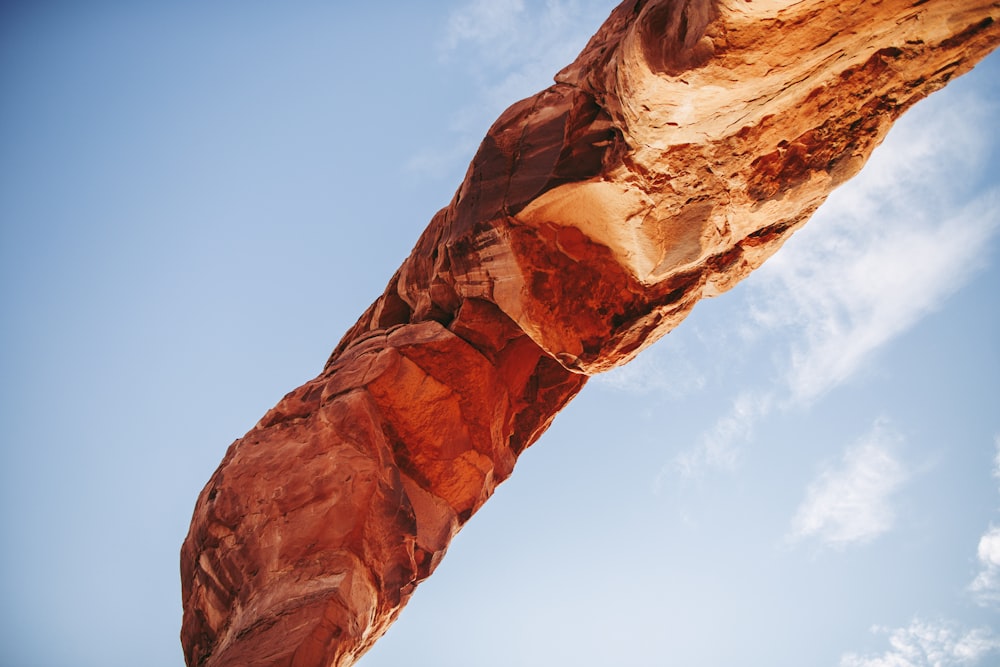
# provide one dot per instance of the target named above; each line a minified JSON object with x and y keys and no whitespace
{"x":684,"y":145}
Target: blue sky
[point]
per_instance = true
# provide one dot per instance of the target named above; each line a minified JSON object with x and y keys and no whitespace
{"x":197,"y":200}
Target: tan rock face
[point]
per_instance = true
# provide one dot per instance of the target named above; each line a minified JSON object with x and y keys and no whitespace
{"x":684,"y":145}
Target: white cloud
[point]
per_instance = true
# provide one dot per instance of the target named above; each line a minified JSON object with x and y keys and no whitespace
{"x":850,"y":503}
{"x":872,"y":287}
{"x":883,"y":252}
{"x":720,"y":446}
{"x":985,"y":588}
{"x":929,"y":644}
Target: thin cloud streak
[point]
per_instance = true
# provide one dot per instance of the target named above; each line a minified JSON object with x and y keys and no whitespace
{"x":854,"y":289}
{"x":851,"y":503}
{"x":667,"y":370}
{"x":721,"y":446}
{"x":513,"y":35}
{"x":517,"y":46}
{"x":484,"y":22}
{"x":880,"y":255}
{"x":929,"y":644}
{"x":883,"y":252}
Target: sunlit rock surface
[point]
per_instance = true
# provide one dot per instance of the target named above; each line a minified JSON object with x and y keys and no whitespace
{"x":684,"y":145}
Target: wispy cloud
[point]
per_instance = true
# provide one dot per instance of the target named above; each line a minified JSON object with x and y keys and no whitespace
{"x":884,"y":251}
{"x":510,"y":49}
{"x":874,"y":284}
{"x":667,"y":370}
{"x":484,"y":22}
{"x":985,"y":588}
{"x":851,"y":502}
{"x":881,"y":253}
{"x":929,"y":644}
{"x":511,"y":36}
{"x":722,"y":445}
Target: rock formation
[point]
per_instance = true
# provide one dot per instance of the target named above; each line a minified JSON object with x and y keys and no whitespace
{"x":688,"y":140}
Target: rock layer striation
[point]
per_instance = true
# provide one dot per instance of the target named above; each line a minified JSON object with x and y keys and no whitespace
{"x":688,"y":140}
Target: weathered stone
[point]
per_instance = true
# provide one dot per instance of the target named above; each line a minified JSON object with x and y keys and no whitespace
{"x":684,"y":145}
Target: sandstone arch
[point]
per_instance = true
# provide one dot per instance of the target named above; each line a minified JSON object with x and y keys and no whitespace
{"x":593,"y":217}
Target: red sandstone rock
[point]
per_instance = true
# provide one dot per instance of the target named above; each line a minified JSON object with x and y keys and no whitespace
{"x":684,"y":145}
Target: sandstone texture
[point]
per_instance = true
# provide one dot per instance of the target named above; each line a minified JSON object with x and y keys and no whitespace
{"x":684,"y":145}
